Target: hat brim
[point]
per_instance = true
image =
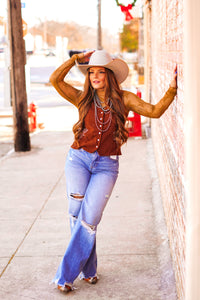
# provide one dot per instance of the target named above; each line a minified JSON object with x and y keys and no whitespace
{"x":118,"y":66}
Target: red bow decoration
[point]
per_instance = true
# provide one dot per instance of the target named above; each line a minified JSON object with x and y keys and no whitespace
{"x":125,"y":10}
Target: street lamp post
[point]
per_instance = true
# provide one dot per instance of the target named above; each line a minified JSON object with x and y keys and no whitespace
{"x":99,"y":44}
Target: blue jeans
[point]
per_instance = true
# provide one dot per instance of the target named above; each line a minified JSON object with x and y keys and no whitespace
{"x":90,"y":180}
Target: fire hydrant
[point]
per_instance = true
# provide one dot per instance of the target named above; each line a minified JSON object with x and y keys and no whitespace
{"x":32,"y":117}
{"x":133,"y":123}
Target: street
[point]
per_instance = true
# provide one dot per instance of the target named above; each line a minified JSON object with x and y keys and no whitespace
{"x":38,"y":71}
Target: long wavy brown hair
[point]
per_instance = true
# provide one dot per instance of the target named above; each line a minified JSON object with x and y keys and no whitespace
{"x":114,"y":93}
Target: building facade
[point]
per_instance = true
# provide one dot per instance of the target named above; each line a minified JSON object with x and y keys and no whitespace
{"x":163,"y":51}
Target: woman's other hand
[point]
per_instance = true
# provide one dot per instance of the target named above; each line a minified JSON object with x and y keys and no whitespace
{"x":173,"y":83}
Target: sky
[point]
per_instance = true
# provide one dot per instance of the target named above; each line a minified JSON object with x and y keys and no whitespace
{"x":83,"y":12}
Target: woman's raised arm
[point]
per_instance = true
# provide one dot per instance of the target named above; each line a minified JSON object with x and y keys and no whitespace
{"x":135,"y":104}
{"x":66,"y":90}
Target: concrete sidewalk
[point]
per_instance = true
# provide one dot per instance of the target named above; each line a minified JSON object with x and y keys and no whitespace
{"x":132,"y":245}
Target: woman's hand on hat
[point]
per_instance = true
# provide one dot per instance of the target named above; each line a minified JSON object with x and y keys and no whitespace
{"x":84,"y":57}
{"x":173,"y":83}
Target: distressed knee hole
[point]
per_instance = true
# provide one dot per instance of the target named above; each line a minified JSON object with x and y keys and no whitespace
{"x":90,"y":228}
{"x":74,"y":218}
{"x":77,"y":196}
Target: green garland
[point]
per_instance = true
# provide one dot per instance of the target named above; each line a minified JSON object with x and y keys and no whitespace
{"x":120,"y":4}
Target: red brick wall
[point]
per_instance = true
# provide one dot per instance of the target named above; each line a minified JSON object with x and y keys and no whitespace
{"x":167,"y":132}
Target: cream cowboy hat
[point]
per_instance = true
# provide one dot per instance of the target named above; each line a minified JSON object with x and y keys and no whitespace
{"x":103,"y":59}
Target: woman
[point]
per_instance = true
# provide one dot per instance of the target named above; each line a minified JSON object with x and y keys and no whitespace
{"x":92,"y":162}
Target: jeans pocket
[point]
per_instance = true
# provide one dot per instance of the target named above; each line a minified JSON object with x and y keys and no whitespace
{"x":114,"y":157}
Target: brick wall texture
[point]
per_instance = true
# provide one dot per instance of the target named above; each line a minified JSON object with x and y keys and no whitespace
{"x":167,"y":132}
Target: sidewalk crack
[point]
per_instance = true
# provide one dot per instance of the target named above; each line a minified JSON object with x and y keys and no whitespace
{"x":31,"y":226}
